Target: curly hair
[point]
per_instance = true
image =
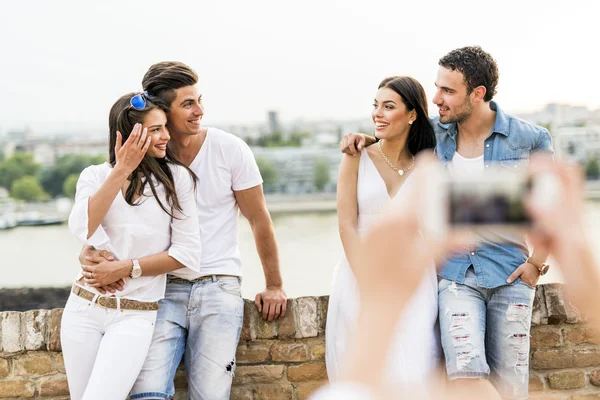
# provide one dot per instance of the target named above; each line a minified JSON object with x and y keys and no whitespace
{"x":478,"y":67}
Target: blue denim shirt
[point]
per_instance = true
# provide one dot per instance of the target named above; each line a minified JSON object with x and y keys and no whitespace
{"x":510,"y":144}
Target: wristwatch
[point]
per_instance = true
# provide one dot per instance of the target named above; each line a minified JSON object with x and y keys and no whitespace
{"x":136,"y":271}
{"x":542,"y":267}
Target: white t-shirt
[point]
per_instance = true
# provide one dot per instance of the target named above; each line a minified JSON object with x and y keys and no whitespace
{"x":462,"y":167}
{"x":131,"y":232}
{"x":223,"y":165}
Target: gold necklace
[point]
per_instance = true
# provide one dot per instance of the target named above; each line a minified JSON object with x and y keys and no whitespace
{"x":400,"y":171}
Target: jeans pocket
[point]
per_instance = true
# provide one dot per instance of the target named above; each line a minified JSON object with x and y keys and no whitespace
{"x":230,"y":285}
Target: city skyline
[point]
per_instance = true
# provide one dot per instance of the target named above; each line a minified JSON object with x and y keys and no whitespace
{"x":65,"y":63}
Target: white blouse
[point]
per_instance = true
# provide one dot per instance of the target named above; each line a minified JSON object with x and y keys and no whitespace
{"x":131,"y":232}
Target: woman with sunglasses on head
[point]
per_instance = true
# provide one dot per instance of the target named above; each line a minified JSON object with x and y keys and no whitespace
{"x":140,"y":206}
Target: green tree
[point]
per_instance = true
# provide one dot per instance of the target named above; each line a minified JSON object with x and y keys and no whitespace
{"x":27,"y":188}
{"x":321,"y":174}
{"x":53,"y":178}
{"x":269,"y":173}
{"x":17,"y":166}
{"x":592,"y":169}
{"x":70,"y":185}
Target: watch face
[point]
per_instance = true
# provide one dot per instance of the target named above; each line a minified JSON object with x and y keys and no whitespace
{"x":544,"y":269}
{"x":136,"y":273}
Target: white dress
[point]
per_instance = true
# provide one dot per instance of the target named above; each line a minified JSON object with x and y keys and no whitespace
{"x":415,"y":351}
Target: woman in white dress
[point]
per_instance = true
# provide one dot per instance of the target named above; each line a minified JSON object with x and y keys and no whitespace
{"x":367,"y":187}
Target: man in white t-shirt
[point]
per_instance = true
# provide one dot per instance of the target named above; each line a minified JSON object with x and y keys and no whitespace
{"x":202,"y":313}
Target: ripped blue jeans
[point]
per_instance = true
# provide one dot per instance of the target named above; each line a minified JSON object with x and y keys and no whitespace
{"x":485,"y":333}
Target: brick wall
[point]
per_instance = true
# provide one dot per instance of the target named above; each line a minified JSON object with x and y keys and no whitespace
{"x":285,"y":359}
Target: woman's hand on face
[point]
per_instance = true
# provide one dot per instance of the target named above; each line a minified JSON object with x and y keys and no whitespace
{"x":130,"y":154}
{"x":105,"y":273}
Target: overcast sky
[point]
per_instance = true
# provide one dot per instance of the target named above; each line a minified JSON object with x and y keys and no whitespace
{"x":64,"y":63}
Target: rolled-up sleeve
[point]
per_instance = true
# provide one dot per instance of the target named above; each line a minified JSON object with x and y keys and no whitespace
{"x":544,"y":142}
{"x":87,"y":184}
{"x":186,"y":246}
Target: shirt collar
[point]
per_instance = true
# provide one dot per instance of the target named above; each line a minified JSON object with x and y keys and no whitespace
{"x":501,"y":125}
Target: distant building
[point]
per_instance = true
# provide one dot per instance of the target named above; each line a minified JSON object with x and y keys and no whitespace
{"x":296,"y":166}
{"x":46,"y":151}
{"x":273,"y":122}
{"x":580,"y":144}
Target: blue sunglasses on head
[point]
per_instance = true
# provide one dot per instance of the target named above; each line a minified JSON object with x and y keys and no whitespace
{"x":138,"y":101}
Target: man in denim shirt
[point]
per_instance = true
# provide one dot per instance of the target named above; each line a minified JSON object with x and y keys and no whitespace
{"x":485,"y":293}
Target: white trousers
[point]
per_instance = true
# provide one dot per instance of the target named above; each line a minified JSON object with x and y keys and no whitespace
{"x":103,"y":349}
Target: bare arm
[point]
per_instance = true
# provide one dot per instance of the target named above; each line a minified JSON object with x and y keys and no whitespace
{"x":347,"y":207}
{"x":128,"y":158}
{"x":271,"y":302}
{"x":107,"y":272}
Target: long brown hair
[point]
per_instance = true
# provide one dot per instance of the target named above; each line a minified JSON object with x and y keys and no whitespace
{"x":122,"y":118}
{"x":421,"y":135}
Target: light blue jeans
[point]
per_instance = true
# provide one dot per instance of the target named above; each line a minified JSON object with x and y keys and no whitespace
{"x":485,"y":333}
{"x":203,"y":320}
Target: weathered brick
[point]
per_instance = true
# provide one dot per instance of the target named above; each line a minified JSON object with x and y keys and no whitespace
{"x":582,"y":335}
{"x":11,"y":332}
{"x":322,"y":307}
{"x":252,"y":352}
{"x":33,"y":364}
{"x":287,"y":326}
{"x":586,"y":358}
{"x":552,"y":359}
{"x":54,"y":388}
{"x":238,"y":393}
{"x":284,"y":352}
{"x":258,"y":374}
{"x":305,"y":389}
{"x":260,"y":328}
{"x":10,"y":389}
{"x":4,"y":368}
{"x":566,"y":380}
{"x":307,"y":372}
{"x":246,"y":334}
{"x":317,"y":351}
{"x":53,"y":330}
{"x":539,"y":314}
{"x":595,"y":378}
{"x":305,"y":314}
{"x":555,"y":303}
{"x":59,"y":363}
{"x":545,"y":337}
{"x":34,"y":322}
{"x":274,"y":392}
{"x":536,"y":383}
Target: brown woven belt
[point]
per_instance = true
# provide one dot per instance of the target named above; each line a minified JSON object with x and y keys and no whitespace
{"x":172,"y":278}
{"x":111,"y":302}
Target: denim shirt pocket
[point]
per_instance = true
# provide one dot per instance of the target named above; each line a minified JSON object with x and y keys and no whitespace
{"x":515,"y":164}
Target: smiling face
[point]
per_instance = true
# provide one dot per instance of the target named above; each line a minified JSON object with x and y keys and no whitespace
{"x":186,"y":112}
{"x":454,"y":104}
{"x":156,"y":123}
{"x":390,"y":115}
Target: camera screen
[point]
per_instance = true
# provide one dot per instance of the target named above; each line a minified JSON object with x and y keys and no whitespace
{"x":495,"y":201}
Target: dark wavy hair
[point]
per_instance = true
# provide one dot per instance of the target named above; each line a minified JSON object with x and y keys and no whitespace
{"x":421,"y":135}
{"x":478,"y":67}
{"x":122,"y":118}
{"x":163,"y":78}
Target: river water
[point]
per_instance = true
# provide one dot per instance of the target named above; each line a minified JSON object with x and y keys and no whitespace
{"x":309,"y":248}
